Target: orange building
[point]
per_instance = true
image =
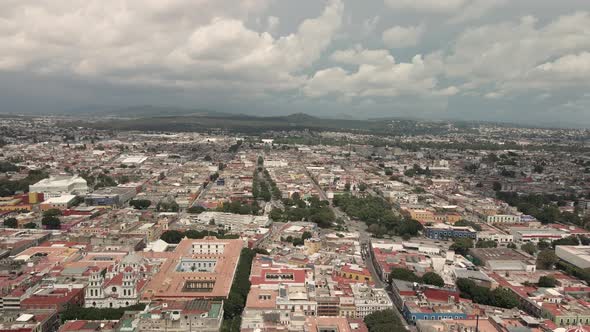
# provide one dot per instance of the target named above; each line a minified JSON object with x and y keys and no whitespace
{"x":196,"y":269}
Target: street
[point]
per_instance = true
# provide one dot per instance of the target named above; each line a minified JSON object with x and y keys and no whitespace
{"x":365,"y":240}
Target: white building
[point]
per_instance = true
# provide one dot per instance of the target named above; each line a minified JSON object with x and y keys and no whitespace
{"x":132,"y":159}
{"x":276,"y":163}
{"x":575,"y":255}
{"x":61,"y":202}
{"x":535,"y":234}
{"x":232,"y":221}
{"x":118,"y":286}
{"x":296,"y":297}
{"x":368,"y":300}
{"x":494,"y":236}
{"x":503,"y":218}
{"x":60,"y":185}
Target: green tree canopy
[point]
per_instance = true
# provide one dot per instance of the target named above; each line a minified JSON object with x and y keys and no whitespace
{"x":547,"y":281}
{"x":384,"y":321}
{"x":486,"y":244}
{"x":461,"y":245}
{"x":499,"y":297}
{"x":140,"y":204}
{"x":10,"y":222}
{"x":169,"y":205}
{"x":546,"y":259}
{"x":172,"y":236}
{"x":196,"y":209}
{"x":51,"y":222}
{"x":530,"y":248}
{"x":403,"y":274}
{"x":431,"y":278}
{"x":52,"y":213}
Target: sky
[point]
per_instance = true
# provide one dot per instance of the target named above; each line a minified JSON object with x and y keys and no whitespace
{"x":524,"y":61}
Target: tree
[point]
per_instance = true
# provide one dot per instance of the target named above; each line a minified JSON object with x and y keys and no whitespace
{"x":542,"y":245}
{"x":196,"y":209}
{"x":511,"y":245}
{"x":240,"y":288}
{"x":461,"y":245}
{"x":384,"y":321}
{"x":140,"y":204}
{"x":306,"y":235}
{"x":362,"y":186}
{"x":410,"y":172}
{"x":11,"y":223}
{"x":297,"y":242}
{"x":409,"y":227}
{"x":530,"y":248}
{"x":497,"y":186}
{"x":504,"y":298}
{"x":52,"y":213}
{"x":403,"y":274}
{"x":546,"y":259}
{"x":486,"y":244}
{"x":276,"y":214}
{"x":431,"y":278}
{"x":6,"y":166}
{"x":30,"y":225}
{"x":568,"y":241}
{"x":347,"y":186}
{"x":73,"y":312}
{"x":538,"y":169}
{"x":51,"y":222}
{"x":584,"y":240}
{"x":499,"y":297}
{"x":547,"y":281}
{"x":172,"y":236}
{"x":168,"y":205}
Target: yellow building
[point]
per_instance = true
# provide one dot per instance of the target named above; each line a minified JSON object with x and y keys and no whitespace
{"x":312,"y":245}
{"x":354,"y":272}
{"x":422,"y":216}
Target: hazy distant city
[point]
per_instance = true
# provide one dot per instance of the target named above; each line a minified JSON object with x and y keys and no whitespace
{"x":291,"y":224}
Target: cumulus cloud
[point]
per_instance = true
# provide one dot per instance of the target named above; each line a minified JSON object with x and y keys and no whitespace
{"x":369,"y":25}
{"x":401,"y":37}
{"x":460,"y":10}
{"x":187,"y":43}
{"x":519,"y":55}
{"x":377,"y":75}
{"x":427,"y":5}
{"x":359,"y":56}
{"x":571,"y":66}
{"x":272,"y":23}
{"x":475,"y":9}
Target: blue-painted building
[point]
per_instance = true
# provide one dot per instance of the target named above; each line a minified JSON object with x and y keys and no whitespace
{"x":426,"y":302}
{"x":442,"y":231}
{"x":413,"y":313}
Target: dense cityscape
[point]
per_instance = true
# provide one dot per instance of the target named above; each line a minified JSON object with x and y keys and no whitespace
{"x":432,"y":227}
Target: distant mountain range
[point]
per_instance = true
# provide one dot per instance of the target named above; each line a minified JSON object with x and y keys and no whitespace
{"x":136,"y":111}
{"x":149,"y":118}
{"x":163,"y":118}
